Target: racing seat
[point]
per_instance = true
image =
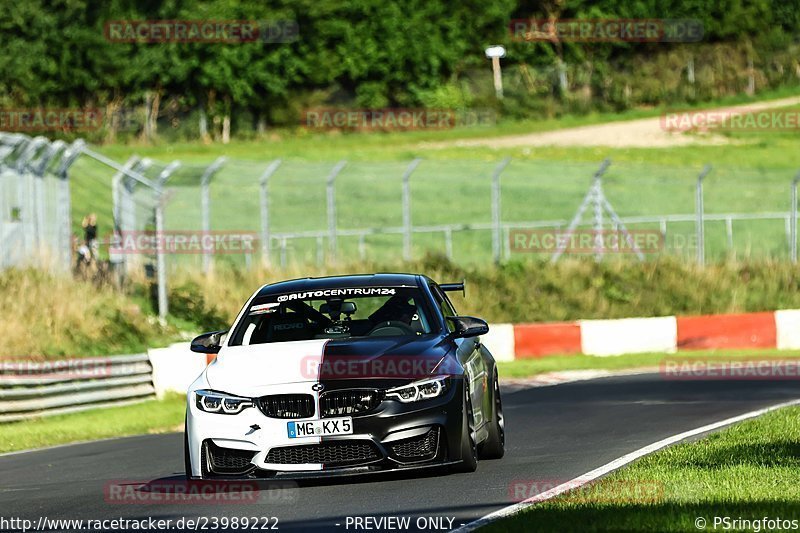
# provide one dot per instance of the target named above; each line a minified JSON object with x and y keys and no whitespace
{"x":290,"y":327}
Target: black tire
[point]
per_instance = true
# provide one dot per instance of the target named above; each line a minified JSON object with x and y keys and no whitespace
{"x":469,"y":450}
{"x":494,"y":447}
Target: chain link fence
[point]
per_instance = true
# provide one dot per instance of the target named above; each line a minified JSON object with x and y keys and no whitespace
{"x":297,"y":212}
{"x":35,"y":200}
{"x":318,"y":212}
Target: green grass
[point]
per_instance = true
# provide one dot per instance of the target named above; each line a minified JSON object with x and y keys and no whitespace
{"x":294,"y":143}
{"x":515,"y":292}
{"x":63,"y":317}
{"x":151,"y":416}
{"x":748,"y":471}
{"x":556,"y":363}
{"x":753,"y":174}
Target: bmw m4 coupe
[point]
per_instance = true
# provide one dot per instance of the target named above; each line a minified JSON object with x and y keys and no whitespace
{"x":347,"y":374}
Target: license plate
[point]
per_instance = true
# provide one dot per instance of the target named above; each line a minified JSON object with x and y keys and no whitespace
{"x":320,"y":428}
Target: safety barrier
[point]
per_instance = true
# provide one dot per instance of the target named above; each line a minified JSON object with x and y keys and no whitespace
{"x":36,"y":388}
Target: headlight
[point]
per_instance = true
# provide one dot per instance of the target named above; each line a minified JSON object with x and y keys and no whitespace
{"x":218,"y":402}
{"x":420,"y":390}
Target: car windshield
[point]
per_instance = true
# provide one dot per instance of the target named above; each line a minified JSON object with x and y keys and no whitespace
{"x":333,"y":314}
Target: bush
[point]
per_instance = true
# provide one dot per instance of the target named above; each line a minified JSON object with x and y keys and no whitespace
{"x":569,"y":290}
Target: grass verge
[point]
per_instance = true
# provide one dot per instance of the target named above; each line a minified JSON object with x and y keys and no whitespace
{"x":534,"y":292}
{"x":746,"y":472}
{"x":50,"y":316}
{"x":328,"y":146}
{"x":151,"y":416}
{"x":522,"y":368}
{"x":55,"y":316}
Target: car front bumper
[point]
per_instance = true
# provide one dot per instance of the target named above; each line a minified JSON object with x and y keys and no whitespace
{"x":392,"y":436}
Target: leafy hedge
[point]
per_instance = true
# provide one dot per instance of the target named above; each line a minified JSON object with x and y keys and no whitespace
{"x":377,"y":53}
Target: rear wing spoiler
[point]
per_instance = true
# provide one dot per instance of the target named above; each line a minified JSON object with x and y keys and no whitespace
{"x":453,"y":287}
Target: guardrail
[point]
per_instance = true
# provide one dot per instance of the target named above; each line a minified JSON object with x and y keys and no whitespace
{"x":29,"y":389}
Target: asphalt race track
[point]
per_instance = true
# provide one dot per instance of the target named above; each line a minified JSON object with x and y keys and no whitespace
{"x":553,"y":434}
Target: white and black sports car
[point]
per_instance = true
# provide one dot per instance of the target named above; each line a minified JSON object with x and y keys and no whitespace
{"x":347,"y":374}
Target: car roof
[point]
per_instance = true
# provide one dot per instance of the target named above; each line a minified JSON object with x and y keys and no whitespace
{"x":338,"y":282}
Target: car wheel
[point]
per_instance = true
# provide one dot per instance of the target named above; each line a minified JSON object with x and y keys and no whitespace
{"x":494,"y":447}
{"x":469,"y":450}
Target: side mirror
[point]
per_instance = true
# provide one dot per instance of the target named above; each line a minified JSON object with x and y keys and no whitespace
{"x":469,"y":326}
{"x":208,"y":342}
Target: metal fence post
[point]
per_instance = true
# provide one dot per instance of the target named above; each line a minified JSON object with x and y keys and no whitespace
{"x":128,"y":204}
{"x":264,"y":201}
{"x":26,"y":193}
{"x":205,"y":206}
{"x":117,"y":190}
{"x":39,"y":168}
{"x":120,"y":203}
{"x":131,"y":177}
{"x":448,"y":242}
{"x":331,"y":200}
{"x":407,"y":208}
{"x":496,"y":222}
{"x":700,"y":216}
{"x":793,"y":223}
{"x":161,"y":262}
{"x":3,"y":214}
{"x":64,"y":202}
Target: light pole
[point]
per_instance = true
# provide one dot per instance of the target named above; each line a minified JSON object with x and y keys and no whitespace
{"x":495,"y":53}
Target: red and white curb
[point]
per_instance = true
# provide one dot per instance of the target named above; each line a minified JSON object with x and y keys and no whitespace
{"x":772,"y":329}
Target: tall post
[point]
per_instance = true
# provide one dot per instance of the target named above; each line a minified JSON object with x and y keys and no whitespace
{"x":116,"y":190}
{"x":120,"y":202}
{"x":407,"y":208}
{"x":331,"y":197}
{"x":263,"y":182}
{"x":46,"y":237}
{"x":497,"y":77}
{"x":599,"y":244}
{"x":161,"y":262}
{"x":64,"y":201}
{"x":700,"y":216}
{"x":26,"y":193}
{"x":128,"y":205}
{"x":37,"y":180}
{"x":496,"y":217}
{"x":205,"y":206}
{"x":793,"y":222}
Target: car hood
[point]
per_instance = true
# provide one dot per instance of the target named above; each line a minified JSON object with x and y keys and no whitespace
{"x":252,"y":370}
